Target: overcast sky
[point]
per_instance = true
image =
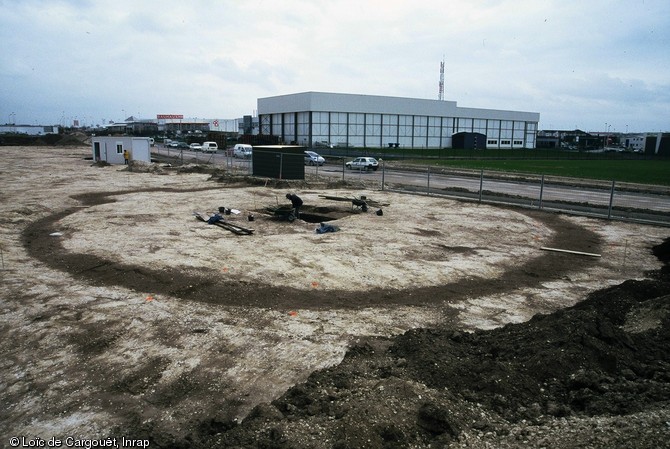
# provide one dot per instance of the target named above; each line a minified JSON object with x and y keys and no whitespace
{"x":588,"y":64}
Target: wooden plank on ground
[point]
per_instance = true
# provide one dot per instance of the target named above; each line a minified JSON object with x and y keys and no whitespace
{"x":236,"y":229}
{"x":579,"y":253}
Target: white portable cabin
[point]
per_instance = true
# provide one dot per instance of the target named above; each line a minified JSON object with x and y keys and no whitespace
{"x":110,"y":149}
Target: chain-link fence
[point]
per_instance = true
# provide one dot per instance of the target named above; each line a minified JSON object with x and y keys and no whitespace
{"x":606,"y":199}
{"x":603,"y":199}
{"x":223,"y":158}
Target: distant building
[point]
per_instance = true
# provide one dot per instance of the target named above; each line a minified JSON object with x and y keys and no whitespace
{"x":647,"y":143}
{"x":31,"y":130}
{"x":248,"y":125}
{"x":635,"y":142}
{"x":315,"y":118}
{"x":134,"y":126}
{"x":151,"y":127}
{"x":657,"y":144}
{"x":182,"y":126}
{"x":569,"y":139}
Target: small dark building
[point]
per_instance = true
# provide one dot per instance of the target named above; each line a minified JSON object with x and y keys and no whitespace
{"x":658,"y":144}
{"x":279,"y":161}
{"x":468,"y":141}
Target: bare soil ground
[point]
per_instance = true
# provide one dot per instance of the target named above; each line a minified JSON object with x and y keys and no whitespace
{"x":436,"y":324}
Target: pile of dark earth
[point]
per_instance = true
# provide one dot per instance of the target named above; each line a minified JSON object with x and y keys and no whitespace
{"x":593,"y":375}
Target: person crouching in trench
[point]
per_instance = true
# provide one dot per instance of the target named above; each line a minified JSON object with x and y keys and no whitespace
{"x":296,"y":202}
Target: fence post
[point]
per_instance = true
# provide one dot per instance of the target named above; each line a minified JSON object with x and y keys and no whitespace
{"x":609,"y":210}
{"x":541,"y":190}
{"x":343,"y":168}
{"x":383,"y":172}
{"x":281,"y":162}
{"x":428,"y":183}
{"x":481,"y":184}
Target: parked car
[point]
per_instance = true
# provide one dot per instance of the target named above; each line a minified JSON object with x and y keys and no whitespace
{"x":242,"y":150}
{"x":210,"y":147}
{"x":195,"y":146}
{"x":363,"y":163}
{"x":312,"y":158}
{"x":182,"y":145}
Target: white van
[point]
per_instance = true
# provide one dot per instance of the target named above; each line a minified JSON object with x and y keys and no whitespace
{"x":242,"y":150}
{"x":210,"y":147}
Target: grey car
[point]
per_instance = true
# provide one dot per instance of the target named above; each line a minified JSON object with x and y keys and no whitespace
{"x":312,"y":158}
{"x":363,"y":163}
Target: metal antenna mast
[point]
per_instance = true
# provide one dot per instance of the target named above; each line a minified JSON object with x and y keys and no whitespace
{"x":440,"y":95}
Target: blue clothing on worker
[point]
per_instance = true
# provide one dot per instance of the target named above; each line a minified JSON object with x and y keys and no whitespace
{"x":215,"y":219}
{"x":326,"y":228}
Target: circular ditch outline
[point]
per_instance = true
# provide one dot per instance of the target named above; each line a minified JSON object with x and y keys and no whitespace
{"x":208,"y":287}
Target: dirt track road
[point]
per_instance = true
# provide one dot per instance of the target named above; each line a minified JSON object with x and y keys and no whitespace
{"x":120,"y":311}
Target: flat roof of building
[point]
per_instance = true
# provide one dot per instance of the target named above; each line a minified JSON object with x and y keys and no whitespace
{"x":356,"y":103}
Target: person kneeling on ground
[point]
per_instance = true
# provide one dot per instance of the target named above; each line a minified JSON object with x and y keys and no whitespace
{"x":296,"y":202}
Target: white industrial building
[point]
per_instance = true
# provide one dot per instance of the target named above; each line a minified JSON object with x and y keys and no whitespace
{"x":317,"y":118}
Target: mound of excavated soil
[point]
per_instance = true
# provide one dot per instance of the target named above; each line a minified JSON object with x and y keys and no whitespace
{"x":593,"y":375}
